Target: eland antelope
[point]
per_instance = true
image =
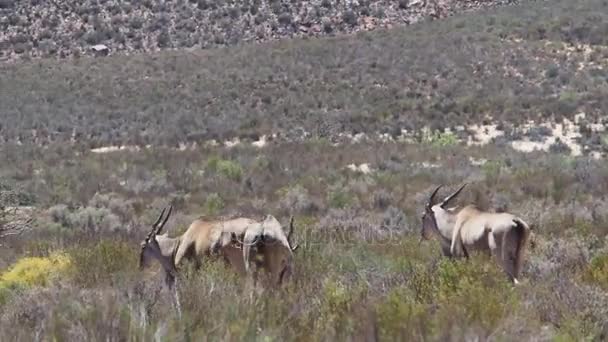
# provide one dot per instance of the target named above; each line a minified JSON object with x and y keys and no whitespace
{"x":235,"y":240}
{"x":267,"y":240}
{"x":202,"y":238}
{"x":503,"y":235}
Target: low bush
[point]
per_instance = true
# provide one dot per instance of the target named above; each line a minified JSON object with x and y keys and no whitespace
{"x":213,"y":204}
{"x":102,"y":262}
{"x":439,"y":139}
{"x":33,"y":271}
{"x":226,"y":168}
{"x":597,"y":271}
{"x":455,"y":297}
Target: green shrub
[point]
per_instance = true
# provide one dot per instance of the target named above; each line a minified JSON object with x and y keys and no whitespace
{"x":478,"y":288}
{"x":577,"y":329}
{"x":597,"y":271}
{"x":226,"y":168}
{"x":337,"y":301}
{"x":340,"y":199}
{"x":473,"y":293}
{"x":439,"y":139}
{"x":101,"y":262}
{"x":604,"y":141}
{"x":213,"y":204}
{"x":32,"y":271}
{"x":491,"y":170}
{"x":401,"y":318}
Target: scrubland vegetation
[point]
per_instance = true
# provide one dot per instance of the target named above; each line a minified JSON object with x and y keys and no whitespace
{"x":360,"y":270}
{"x":360,"y":273}
{"x":513,"y":64}
{"x":64,"y":29}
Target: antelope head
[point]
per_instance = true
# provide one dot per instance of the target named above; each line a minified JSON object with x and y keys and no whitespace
{"x":150,"y":247}
{"x":287,"y":270}
{"x":437,"y":218}
{"x":268,"y":239}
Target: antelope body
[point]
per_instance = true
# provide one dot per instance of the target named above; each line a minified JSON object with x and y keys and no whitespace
{"x":503,"y":235}
{"x":235,"y":240}
{"x":268,"y":240}
{"x":201,"y":239}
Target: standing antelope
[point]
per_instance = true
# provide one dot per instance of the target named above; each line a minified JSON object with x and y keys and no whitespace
{"x":267,"y":239}
{"x":234,"y":240}
{"x":459,"y":231}
{"x":202,"y":238}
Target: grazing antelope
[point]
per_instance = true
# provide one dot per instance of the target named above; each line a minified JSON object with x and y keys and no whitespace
{"x":202,"y":238}
{"x":459,"y":231}
{"x":235,"y":240}
{"x":267,"y":240}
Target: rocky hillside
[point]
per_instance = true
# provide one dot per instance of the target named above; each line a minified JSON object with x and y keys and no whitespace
{"x":60,"y":28}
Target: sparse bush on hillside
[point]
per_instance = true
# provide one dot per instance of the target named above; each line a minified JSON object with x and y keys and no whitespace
{"x":420,"y":310}
{"x":557,"y":257}
{"x":94,"y":264}
{"x":395,"y":220}
{"x":86,"y":219}
{"x":351,"y":85}
{"x":439,"y":139}
{"x":597,"y":271}
{"x":32,"y":271}
{"x":105,"y":22}
{"x":348,"y":226}
{"x":382,"y":199}
{"x":214,"y":204}
{"x":340,"y":198}
{"x":296,"y":200}
{"x":13,"y":221}
{"x":226,"y":168}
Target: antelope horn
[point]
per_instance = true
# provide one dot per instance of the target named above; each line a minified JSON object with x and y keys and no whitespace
{"x":290,"y":234}
{"x":432,"y":198}
{"x":160,"y":227}
{"x":152,"y":232}
{"x":290,"y":229}
{"x":449,"y":198}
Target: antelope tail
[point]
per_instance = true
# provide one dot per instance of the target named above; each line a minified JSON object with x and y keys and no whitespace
{"x":521,"y":245}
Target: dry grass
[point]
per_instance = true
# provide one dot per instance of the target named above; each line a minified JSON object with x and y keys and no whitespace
{"x":360,"y":270}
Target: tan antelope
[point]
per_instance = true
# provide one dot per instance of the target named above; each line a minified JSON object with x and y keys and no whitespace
{"x":202,"y":238}
{"x":266,"y":246}
{"x":503,"y":235}
{"x":233,"y":240}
